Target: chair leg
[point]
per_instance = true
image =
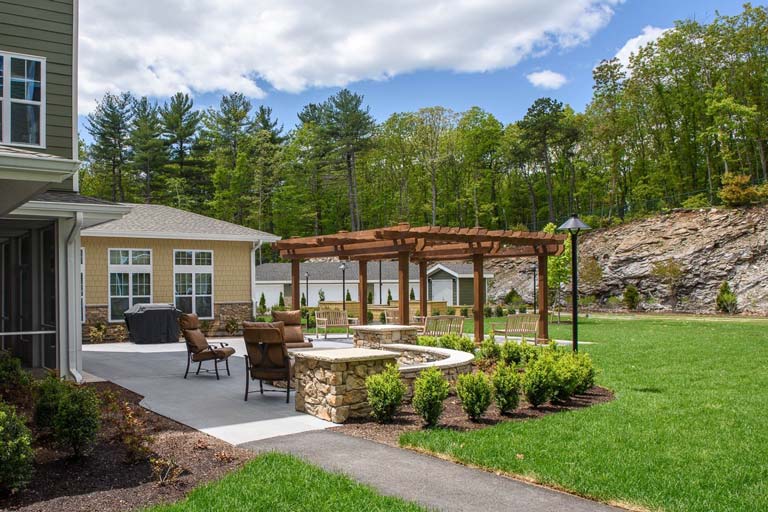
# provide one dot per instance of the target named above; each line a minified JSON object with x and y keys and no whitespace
{"x":261,"y":386}
{"x":216,"y":367}
{"x":198,"y":368}
{"x":187,"y":370}
{"x":226,"y":361}
{"x":288,"y":390}
{"x":247,"y":380}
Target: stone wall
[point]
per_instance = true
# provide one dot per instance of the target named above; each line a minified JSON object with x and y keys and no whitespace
{"x":375,"y":336}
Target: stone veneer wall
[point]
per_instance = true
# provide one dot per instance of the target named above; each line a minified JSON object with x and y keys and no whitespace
{"x":117,"y":332}
{"x":409,"y":375}
{"x":365,"y":338}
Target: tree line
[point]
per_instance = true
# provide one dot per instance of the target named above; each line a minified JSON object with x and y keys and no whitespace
{"x":665,"y":131}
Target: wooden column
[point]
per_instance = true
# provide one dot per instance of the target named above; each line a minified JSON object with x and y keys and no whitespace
{"x":295,"y":285}
{"x":543,"y":298}
{"x":479,"y":286}
{"x":403,"y":300}
{"x":423,"y":288}
{"x":362,"y":291}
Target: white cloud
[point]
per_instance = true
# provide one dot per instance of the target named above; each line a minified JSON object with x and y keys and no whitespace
{"x":156,"y":48}
{"x":631,"y":47}
{"x":547,"y":79}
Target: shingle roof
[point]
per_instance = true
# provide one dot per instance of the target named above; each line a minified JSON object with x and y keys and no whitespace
{"x":61,"y":196}
{"x":329,"y":271}
{"x":159,"y":221}
{"x":463,"y":269}
{"x":27,"y":153}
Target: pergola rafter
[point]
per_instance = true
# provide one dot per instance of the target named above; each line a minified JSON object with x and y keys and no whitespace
{"x":422,"y":245}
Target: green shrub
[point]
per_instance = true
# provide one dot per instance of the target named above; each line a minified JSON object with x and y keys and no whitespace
{"x":382,"y":318}
{"x":49,"y":394}
{"x":429,"y":391}
{"x":512,"y":297}
{"x":370,"y":297}
{"x":389,"y":297}
{"x":506,"y":388}
{"x":450,"y":311}
{"x":456,"y":342}
{"x":613,"y":302}
{"x":385,"y":393}
{"x":369,"y":316}
{"x":631,"y":297}
{"x":348,"y":296}
{"x":15,"y":383}
{"x":512,"y":353}
{"x":726,"y":299}
{"x":16,"y":455}
{"x":522,"y":309}
{"x":566,"y":377}
{"x":585,"y":371}
{"x":475,"y":392}
{"x":487,"y":311}
{"x":428,"y":341}
{"x":303,"y":300}
{"x":281,"y":300}
{"x":539,"y":381}
{"x":465,"y":312}
{"x":77,"y":420}
{"x":499,"y":311}
{"x":489,"y":349}
{"x":696,"y":201}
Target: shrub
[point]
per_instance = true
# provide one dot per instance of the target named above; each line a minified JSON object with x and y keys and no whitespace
{"x":523,"y":309}
{"x":539,"y":381}
{"x":566,"y":377}
{"x":613,"y":302}
{"x":385,"y":393}
{"x":631,"y":297}
{"x":475,"y":392}
{"x":97,"y":332}
{"x":487,"y":311}
{"x":489,"y":349}
{"x":369,"y":316}
{"x":737,"y":190}
{"x":389,"y":296}
{"x":348,"y":296}
{"x":428,"y":341}
{"x":499,"y":310}
{"x":429,"y":391}
{"x":303,"y":300}
{"x":506,"y":388}
{"x":512,"y":353}
{"x":15,"y":383}
{"x":231,"y":326}
{"x":16,"y":455}
{"x":726,"y":299}
{"x":382,"y":318}
{"x":512,"y":297}
{"x":50,"y":393}
{"x":465,"y":312}
{"x":77,"y":420}
{"x":262,"y":303}
{"x":412,"y":296}
{"x":321,"y":295}
{"x":456,"y":342}
{"x":696,"y":201}
{"x":281,"y":300}
{"x":585,"y":371}
{"x":370,"y":297}
{"x":450,"y":311}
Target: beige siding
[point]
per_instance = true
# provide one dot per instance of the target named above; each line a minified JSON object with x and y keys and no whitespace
{"x":231,"y":267}
{"x":43,"y":28}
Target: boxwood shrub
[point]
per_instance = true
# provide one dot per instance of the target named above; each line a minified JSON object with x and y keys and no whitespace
{"x":506,"y":387}
{"x":385,"y":393}
{"x":49,"y":394}
{"x":16,"y":455}
{"x":539,"y":381}
{"x":429,"y":390}
{"x":475,"y":392}
{"x":489,"y":349}
{"x":77,"y":420}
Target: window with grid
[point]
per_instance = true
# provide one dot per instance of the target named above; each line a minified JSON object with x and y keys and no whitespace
{"x":130,"y":280}
{"x":193,"y":282}
{"x":22,"y":100}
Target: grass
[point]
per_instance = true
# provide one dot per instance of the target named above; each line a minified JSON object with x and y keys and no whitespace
{"x":687,"y":431}
{"x":277,"y":482}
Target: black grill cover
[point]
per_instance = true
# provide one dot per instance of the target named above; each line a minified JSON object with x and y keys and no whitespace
{"x":152,"y":323}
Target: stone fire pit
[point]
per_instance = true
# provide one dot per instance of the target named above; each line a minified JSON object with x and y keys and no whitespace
{"x":374,"y":336}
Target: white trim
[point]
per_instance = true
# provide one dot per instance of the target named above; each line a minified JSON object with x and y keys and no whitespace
{"x":82,"y":285}
{"x":440,"y":266}
{"x":30,"y":207}
{"x":195,"y":269}
{"x":35,"y":168}
{"x":7,"y":101}
{"x":218,"y":237}
{"x":130,"y":269}
{"x":348,"y":281}
{"x":75,"y":58}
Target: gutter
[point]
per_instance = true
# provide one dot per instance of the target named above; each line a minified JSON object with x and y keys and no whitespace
{"x":255,"y":246}
{"x":71,"y":334}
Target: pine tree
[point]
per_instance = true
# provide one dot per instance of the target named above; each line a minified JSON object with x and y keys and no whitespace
{"x":149,"y":154}
{"x":109,"y":125}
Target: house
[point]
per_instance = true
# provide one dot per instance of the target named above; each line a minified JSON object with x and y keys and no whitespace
{"x":449,"y":282}
{"x":41,"y":212}
{"x":453,"y":283}
{"x":161,"y":254}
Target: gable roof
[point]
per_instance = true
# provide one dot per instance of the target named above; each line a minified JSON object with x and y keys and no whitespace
{"x":329,"y":271}
{"x":458,"y":269}
{"x":160,"y":221}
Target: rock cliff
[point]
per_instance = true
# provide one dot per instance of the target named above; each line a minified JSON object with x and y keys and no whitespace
{"x":709,"y":246}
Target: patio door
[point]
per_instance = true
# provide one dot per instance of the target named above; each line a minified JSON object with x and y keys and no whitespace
{"x":442,"y":290}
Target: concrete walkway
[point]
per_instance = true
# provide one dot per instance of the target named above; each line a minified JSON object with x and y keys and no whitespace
{"x":423,"y":479}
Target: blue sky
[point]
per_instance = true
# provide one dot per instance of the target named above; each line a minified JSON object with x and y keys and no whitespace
{"x":501,"y":88}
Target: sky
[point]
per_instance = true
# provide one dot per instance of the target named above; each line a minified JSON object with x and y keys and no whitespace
{"x":401,"y":55}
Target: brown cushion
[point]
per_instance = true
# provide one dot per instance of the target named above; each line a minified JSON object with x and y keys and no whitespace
{"x":189,"y":321}
{"x":293,"y":334}
{"x":287,"y":317}
{"x":195,"y":339}
{"x":217,"y":353}
{"x":304,"y":344}
{"x":262,"y":325}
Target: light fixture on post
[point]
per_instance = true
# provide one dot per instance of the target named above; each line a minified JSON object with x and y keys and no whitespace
{"x":574,"y":226}
{"x":343,"y":268}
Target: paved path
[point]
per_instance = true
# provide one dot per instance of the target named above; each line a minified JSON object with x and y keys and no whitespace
{"x":423,"y":479}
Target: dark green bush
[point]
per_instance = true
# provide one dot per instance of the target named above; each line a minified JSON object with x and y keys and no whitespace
{"x":369,"y":316}
{"x":428,"y":341}
{"x":382,"y":318}
{"x":506,"y":388}
{"x":539,"y":381}
{"x":487,"y":311}
{"x":585,"y":371}
{"x":16,"y":455}
{"x":512,"y":297}
{"x":631,"y":297}
{"x":429,"y":390}
{"x":726,"y":299}
{"x":15,"y":383}
{"x":475,"y":392}
{"x":489,"y":349}
{"x":522,"y":309}
{"x":77,"y":420}
{"x":385,"y":393}
{"x":566,"y":377}
{"x":499,"y":311}
{"x":512,"y":353}
{"x":465,"y":312}
{"x":49,"y":394}
{"x":450,"y":311}
{"x":456,"y":342}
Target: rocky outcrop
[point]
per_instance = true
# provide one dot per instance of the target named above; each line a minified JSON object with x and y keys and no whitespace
{"x":709,"y":245}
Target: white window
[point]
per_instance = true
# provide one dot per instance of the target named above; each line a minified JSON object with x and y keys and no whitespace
{"x":22,"y":100}
{"x":130,"y":280}
{"x":193,"y":282}
{"x":82,"y":285}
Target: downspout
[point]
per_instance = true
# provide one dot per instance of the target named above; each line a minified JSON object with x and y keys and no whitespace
{"x":71,"y":260}
{"x":255,"y":246}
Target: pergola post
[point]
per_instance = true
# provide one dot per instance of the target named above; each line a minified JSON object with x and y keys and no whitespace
{"x":423,"y":288}
{"x":403,"y":300}
{"x":362,"y":291}
{"x":295,"y":285}
{"x":479,"y":285}
{"x":543,"y":298}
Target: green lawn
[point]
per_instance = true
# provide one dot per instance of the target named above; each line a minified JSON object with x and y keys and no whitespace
{"x":277,"y":482}
{"x":688,"y":430}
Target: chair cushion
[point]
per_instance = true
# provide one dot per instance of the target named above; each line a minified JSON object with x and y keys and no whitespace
{"x":262,"y":325}
{"x":304,"y":344}
{"x":287,"y":317}
{"x":195,"y":339}
{"x":217,"y":353}
{"x":272,"y":373}
{"x":293,"y":334}
{"x":189,"y":321}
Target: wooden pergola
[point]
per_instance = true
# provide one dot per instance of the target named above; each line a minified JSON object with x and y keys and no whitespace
{"x":423,"y":245}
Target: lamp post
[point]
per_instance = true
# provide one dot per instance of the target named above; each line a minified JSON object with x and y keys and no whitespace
{"x":380,"y":301}
{"x":343,"y":268}
{"x":574,"y":226}
{"x":535,"y":289}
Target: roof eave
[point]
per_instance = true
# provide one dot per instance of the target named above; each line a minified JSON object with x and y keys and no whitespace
{"x":34,"y":168}
{"x":218,"y":237}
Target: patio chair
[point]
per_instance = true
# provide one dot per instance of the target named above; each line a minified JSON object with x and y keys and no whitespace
{"x":198,"y":348}
{"x":292,"y":333}
{"x":266,"y":356}
{"x":523,"y":325}
{"x":442,"y":325}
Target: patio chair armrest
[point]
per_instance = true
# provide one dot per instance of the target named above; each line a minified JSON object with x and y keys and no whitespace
{"x":221,"y":344}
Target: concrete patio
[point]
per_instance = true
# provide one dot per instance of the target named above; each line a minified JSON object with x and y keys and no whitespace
{"x":201,"y":402}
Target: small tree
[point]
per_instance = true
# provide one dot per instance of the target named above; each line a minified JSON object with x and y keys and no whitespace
{"x":670,"y":273}
{"x":413,"y":295}
{"x":558,"y":268}
{"x":726,"y":299}
{"x":370,"y":297}
{"x":737,"y":190}
{"x":348,"y":296}
{"x":389,"y":296}
{"x":321,"y":295}
{"x":262,"y":303}
{"x":631,"y":297}
{"x":281,"y":300}
{"x":303,"y":300}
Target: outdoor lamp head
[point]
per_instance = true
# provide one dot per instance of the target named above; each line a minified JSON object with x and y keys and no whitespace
{"x":342,"y":266}
{"x":574,"y":224}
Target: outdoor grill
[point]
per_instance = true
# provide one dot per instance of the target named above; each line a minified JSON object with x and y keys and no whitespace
{"x":152,"y":323}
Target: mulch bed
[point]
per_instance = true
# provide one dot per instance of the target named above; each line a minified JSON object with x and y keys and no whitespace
{"x":455,"y":418}
{"x":103,"y":481}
